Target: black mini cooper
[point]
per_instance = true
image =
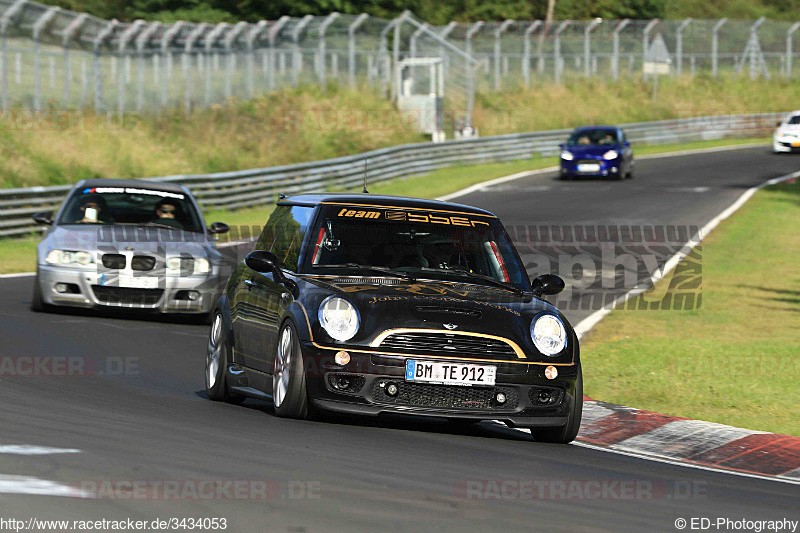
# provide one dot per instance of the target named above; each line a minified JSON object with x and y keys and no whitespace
{"x":377,"y":304}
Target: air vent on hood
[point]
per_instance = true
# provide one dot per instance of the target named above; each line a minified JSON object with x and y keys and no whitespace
{"x":457,"y":311}
{"x":371,"y":281}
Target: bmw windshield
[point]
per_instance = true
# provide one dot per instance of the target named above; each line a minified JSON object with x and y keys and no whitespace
{"x":413,"y":243}
{"x":133,"y":206}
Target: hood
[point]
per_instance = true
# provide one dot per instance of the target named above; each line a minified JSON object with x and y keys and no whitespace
{"x":591,"y":150}
{"x":789,"y":128}
{"x":110,"y":238}
{"x":430,"y":305}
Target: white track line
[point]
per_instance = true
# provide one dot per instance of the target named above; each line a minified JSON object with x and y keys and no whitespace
{"x":17,"y":275}
{"x":585,"y":325}
{"x":40,"y":487}
{"x":29,"y":449}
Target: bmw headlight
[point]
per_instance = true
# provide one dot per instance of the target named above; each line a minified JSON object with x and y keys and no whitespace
{"x":339,"y":318}
{"x":611,"y":154}
{"x":187,"y":265}
{"x":67,"y":257}
{"x":567,"y":156}
{"x":549,"y":334}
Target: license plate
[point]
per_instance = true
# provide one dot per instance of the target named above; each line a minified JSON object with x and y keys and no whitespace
{"x":588,"y":167}
{"x":134,"y":282}
{"x":450,"y":373}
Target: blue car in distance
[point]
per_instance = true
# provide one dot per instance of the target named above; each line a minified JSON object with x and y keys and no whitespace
{"x":597,"y":151}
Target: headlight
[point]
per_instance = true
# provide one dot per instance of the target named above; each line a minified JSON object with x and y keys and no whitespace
{"x":187,"y":265}
{"x":66,"y":257}
{"x":548,"y":334}
{"x":611,"y":154}
{"x":567,"y":156}
{"x":339,"y":318}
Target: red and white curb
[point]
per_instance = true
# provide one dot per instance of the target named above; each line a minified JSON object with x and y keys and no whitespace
{"x":691,"y":442}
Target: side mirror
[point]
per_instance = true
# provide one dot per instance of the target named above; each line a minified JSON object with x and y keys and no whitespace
{"x":218,"y":227}
{"x":262,"y":261}
{"x":779,"y":124}
{"x":44,"y":217}
{"x":626,"y":144}
{"x":561,"y":145}
{"x":547,"y":284}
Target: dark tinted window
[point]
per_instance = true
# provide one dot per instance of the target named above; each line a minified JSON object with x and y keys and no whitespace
{"x":270,"y":230}
{"x":289,"y":238}
{"x":794,"y":120}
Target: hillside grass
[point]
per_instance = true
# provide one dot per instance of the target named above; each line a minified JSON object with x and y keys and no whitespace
{"x":306,"y":124}
{"x":734,"y":359}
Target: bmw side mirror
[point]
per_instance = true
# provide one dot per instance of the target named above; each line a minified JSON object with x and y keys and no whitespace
{"x":547,"y":284}
{"x":262,"y":261}
{"x":44,"y":217}
{"x":218,"y":227}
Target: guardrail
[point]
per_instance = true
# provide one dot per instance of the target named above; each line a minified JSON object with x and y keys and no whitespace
{"x":260,"y":186}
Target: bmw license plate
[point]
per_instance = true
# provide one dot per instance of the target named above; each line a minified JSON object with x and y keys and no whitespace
{"x":588,"y":167}
{"x":450,"y":373}
{"x":136,"y":282}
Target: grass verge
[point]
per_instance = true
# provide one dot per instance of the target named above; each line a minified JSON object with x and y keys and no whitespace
{"x":18,"y":255}
{"x":734,"y":359}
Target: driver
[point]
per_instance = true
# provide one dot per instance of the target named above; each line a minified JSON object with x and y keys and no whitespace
{"x":92,"y":210}
{"x":167,"y":214}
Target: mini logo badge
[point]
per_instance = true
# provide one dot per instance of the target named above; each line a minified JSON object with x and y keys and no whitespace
{"x":450,"y":326}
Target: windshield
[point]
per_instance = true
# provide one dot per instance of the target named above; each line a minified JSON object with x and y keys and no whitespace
{"x":422,"y":244}
{"x":128,"y":205}
{"x":601,"y":136}
{"x":794,"y":120}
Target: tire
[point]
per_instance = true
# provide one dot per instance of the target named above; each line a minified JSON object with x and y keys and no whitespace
{"x":37,"y":302}
{"x":566,"y":433}
{"x":289,"y":389}
{"x":217,"y":362}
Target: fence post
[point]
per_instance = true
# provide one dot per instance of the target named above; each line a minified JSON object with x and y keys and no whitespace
{"x":615,"y":60}
{"x":72,"y":29}
{"x":587,"y":46}
{"x":97,"y":67}
{"x":442,"y":53}
{"x":351,"y":47}
{"x":126,"y":37}
{"x":210,"y":39}
{"x":646,"y":43}
{"x":498,"y":34}
{"x":383,"y":53}
{"x":274,"y":31}
{"x":237,"y":30}
{"x":321,"y":66}
{"x":475,"y":28}
{"x":192,"y":38}
{"x":679,"y":44}
{"x":793,"y":29}
{"x":557,"y":49}
{"x":38,"y":27}
{"x":297,"y":57}
{"x":715,"y":46}
{"x":412,"y":41}
{"x":166,"y":54}
{"x":252,"y":35}
{"x":526,"y":51}
{"x":141,"y":42}
{"x":9,"y":16}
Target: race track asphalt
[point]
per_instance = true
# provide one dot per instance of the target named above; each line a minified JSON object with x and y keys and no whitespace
{"x":151,"y":423}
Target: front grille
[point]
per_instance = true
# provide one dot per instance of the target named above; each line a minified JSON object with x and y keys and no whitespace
{"x":446,"y":396}
{"x":143,"y":262}
{"x":127,"y":296}
{"x":587,"y":162}
{"x":449,"y":344}
{"x":115,"y":261}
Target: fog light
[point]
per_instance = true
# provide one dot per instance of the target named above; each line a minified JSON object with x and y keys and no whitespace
{"x":61,"y":287}
{"x":613,"y":169}
{"x":551,"y":372}
{"x":501,"y":398}
{"x":391,"y":389}
{"x":342,"y":358}
{"x":194,"y":295}
{"x":342,"y":383}
{"x":545,"y":397}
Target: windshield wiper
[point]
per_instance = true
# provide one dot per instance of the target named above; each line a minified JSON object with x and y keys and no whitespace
{"x":154,"y":225}
{"x":370,"y":268}
{"x":482,"y":277}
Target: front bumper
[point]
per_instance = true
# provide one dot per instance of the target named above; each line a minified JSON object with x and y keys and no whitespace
{"x":576,"y":167}
{"x":91,"y":289}
{"x":370,"y":374}
{"x":788,"y":145}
